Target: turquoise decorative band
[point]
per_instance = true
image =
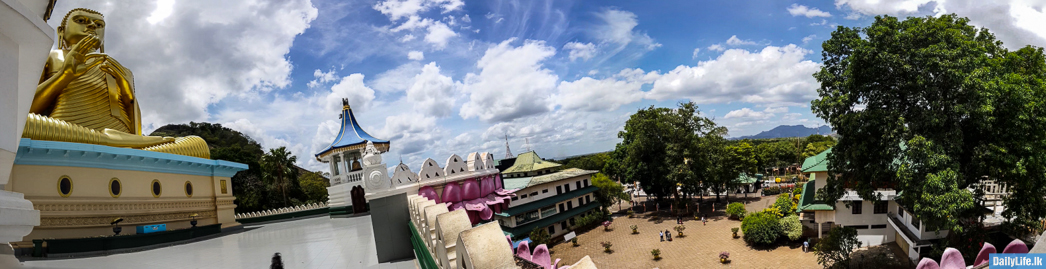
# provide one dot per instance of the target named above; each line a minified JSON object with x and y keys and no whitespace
{"x":54,"y":153}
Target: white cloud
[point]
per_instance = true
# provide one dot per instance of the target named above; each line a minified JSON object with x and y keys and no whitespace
{"x":597,"y":95}
{"x":620,"y":29}
{"x":162,"y":11}
{"x":1017,"y":23}
{"x":593,"y":72}
{"x":411,"y":133}
{"x":747,"y":113}
{"x":580,"y":50}
{"x":779,"y":109}
{"x":201,"y":53}
{"x":415,"y":55}
{"x":351,"y":87}
{"x":696,"y":50}
{"x":438,"y":35}
{"x":407,"y":38}
{"x":773,"y":75}
{"x":808,"y":38}
{"x":466,"y":19}
{"x":734,"y":41}
{"x":432,"y":93}
{"x":398,"y":9}
{"x":801,"y":10}
{"x":823,"y":22}
{"x":512,"y":82}
{"x":716,"y":47}
{"x":397,"y":79}
{"x":322,"y":78}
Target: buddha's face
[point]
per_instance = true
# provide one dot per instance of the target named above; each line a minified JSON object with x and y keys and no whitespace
{"x":81,"y":24}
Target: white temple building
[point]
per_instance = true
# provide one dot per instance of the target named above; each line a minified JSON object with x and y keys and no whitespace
{"x":345,"y":158}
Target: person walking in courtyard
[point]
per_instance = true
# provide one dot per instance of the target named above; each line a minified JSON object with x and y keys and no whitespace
{"x":662,"y":236}
{"x":703,"y":222}
{"x":806,"y":245}
{"x":668,"y":235}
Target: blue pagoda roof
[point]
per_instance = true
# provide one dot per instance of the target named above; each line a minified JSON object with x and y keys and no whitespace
{"x":351,"y":134}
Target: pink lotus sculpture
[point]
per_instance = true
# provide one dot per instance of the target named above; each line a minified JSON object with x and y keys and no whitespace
{"x":952,"y":258}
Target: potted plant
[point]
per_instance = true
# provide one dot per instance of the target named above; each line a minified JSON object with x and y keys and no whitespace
{"x":631,"y":214}
{"x":735,"y":231}
{"x":606,"y":246}
{"x":724,"y":256}
{"x":606,"y":225}
{"x":680,"y":229}
{"x":574,"y":241}
{"x":657,"y":253}
{"x":635,"y":229}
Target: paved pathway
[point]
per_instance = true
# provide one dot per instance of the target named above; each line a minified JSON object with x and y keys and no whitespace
{"x":698,"y":249}
{"x":309,"y":243}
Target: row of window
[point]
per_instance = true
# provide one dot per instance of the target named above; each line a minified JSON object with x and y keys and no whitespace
{"x":559,"y":190}
{"x":65,"y":187}
{"x":551,"y":210}
{"x":563,"y":225}
{"x":879,"y":207}
{"x":863,"y":227}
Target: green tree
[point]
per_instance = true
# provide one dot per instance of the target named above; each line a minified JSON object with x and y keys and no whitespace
{"x":833,"y":250}
{"x":736,"y":209}
{"x":784,"y":204}
{"x":660,"y":148}
{"x":314,"y":185}
{"x":791,"y":227}
{"x":945,"y":100}
{"x":760,"y":228}
{"x":279,"y":170}
{"x":610,"y":192}
{"x":539,"y":236}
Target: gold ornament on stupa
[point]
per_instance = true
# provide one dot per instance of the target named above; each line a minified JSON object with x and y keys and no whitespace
{"x":85,"y":96}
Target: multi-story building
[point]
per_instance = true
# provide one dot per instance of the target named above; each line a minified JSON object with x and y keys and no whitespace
{"x":876,"y":222}
{"x":545,"y":198}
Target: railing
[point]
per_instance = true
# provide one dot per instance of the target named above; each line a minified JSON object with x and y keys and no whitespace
{"x":421,"y":251}
{"x":353,"y":176}
{"x":284,"y":210}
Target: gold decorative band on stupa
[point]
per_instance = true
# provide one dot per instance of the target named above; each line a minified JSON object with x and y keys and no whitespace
{"x":51,"y":129}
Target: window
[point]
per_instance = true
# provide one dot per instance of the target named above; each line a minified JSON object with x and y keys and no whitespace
{"x":915,"y":222}
{"x":570,"y":205}
{"x":578,"y":183}
{"x":571,"y":221}
{"x":559,"y":190}
{"x":567,"y":187}
{"x":548,"y":211}
{"x":858,"y":227}
{"x":188,"y":189}
{"x":515,"y":198}
{"x":551,"y":230}
{"x":544,"y":191}
{"x":586,"y":182}
{"x":115,"y":188}
{"x":879,"y":226}
{"x":156,"y":189}
{"x":524,"y":196}
{"x":528,"y":217}
{"x":856,"y":207}
{"x":880,"y":208}
{"x":900,"y":212}
{"x":588,"y":199}
{"x":580,"y":201}
{"x":563,"y":225}
{"x":65,"y":186}
{"x":561,"y":207}
{"x":534,"y":194}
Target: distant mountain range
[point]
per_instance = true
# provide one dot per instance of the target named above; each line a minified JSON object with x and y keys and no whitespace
{"x":788,"y":131}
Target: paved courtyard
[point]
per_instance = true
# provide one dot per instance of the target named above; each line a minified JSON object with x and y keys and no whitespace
{"x":309,"y":243}
{"x":699,"y":248}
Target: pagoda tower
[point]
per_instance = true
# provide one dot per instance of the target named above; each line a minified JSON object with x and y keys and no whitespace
{"x":345,"y":157}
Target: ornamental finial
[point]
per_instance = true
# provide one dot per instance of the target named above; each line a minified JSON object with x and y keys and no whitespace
{"x":345,"y":104}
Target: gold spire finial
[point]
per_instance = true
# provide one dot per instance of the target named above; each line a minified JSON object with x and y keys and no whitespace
{"x":345,"y":104}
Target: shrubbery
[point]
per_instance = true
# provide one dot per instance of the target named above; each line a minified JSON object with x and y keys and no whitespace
{"x":791,"y":227}
{"x":760,"y":228}
{"x":775,"y":190}
{"x":736,"y":209}
{"x":784,"y":204}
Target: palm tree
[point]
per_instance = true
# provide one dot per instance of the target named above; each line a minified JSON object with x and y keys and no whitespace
{"x":278,"y":168}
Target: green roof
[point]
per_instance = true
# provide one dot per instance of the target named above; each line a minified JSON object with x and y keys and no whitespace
{"x":524,"y":182}
{"x":528,"y":162}
{"x":524,"y":230}
{"x":807,"y":200}
{"x":535,"y":205}
{"x":817,"y":163}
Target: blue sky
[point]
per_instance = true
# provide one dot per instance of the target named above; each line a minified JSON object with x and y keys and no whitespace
{"x":441,"y":77}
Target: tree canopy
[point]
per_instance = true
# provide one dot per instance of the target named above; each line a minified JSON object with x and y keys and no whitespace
{"x":930,"y":105}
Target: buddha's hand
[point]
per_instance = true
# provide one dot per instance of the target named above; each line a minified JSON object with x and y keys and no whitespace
{"x":75,"y":58}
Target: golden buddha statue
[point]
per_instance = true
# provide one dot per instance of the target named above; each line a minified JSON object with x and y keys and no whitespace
{"x":85,"y":96}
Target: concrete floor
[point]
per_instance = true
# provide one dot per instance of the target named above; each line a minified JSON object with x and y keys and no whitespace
{"x":309,"y":243}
